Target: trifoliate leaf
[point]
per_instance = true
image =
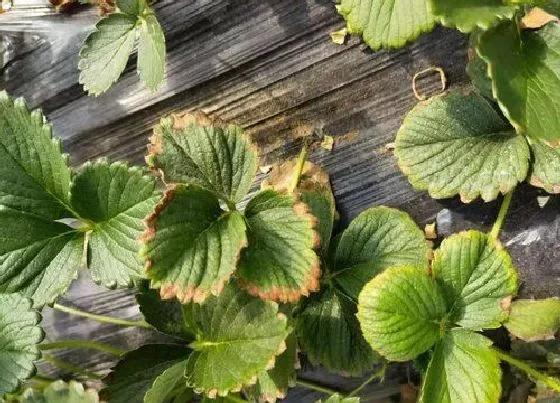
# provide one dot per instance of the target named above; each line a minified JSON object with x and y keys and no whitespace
{"x":132,"y":7}
{"x":115,"y":199}
{"x":167,"y":316}
{"x":274,"y":383}
{"x":60,"y":392}
{"x":170,"y":386}
{"x":477,"y":69}
{"x":477,"y":278}
{"x":378,"y":238}
{"x":533,"y":320}
{"x":20,"y":335}
{"x":35,"y":174}
{"x":401,"y":312}
{"x":336,"y":398}
{"x":524,"y":67}
{"x":151,"y":53}
{"x":546,"y":166}
{"x":279,"y":264}
{"x":238,"y":337}
{"x":192,"y":246}
{"x":458,"y":144}
{"x":466,"y":15}
{"x":387,"y":23}
{"x":106,"y":51}
{"x":314,"y":189}
{"x":330,"y":335}
{"x":38,"y":258}
{"x":463,"y":369}
{"x":194,"y":150}
{"x":138,"y":370}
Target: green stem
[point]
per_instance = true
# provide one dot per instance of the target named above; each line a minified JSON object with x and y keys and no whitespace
{"x":71,"y":367}
{"x":501,"y":216}
{"x":102,"y":318}
{"x":299,"y":168}
{"x":92,"y":345}
{"x":379,"y":374}
{"x":314,"y":386}
{"x":551,"y":382}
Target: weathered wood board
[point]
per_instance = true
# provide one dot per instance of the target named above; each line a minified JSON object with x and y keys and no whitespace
{"x":270,"y":66}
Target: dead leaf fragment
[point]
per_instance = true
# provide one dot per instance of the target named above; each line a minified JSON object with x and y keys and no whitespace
{"x":327,"y":143}
{"x":537,"y":18}
{"x":339,"y":36}
{"x":430,"y":231}
{"x":265,"y":168}
{"x":442,"y":78}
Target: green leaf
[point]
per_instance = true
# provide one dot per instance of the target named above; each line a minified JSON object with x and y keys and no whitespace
{"x":378,"y":238}
{"x":20,"y":335}
{"x":466,"y":15}
{"x":167,"y":316}
{"x":238,"y":337}
{"x":336,"y":398}
{"x":329,"y":333}
{"x":477,"y":278}
{"x":525,"y":69}
{"x":132,"y":7}
{"x":115,"y":198}
{"x":61,"y":392}
{"x":151,"y":53}
{"x":546,"y":166}
{"x":106,"y":51}
{"x":532,"y":320}
{"x":231,"y":398}
{"x":387,"y":23}
{"x":274,"y":383}
{"x":194,"y":150}
{"x":38,"y":258}
{"x":192,"y":246}
{"x":279,"y":264}
{"x":170,"y":386}
{"x":35,"y":173}
{"x":456,"y":144}
{"x":463,"y":369}
{"x":477,"y":69}
{"x":138,"y":371}
{"x":315,"y":191}
{"x":401,"y":313}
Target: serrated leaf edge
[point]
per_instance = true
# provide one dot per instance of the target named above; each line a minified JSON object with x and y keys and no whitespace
{"x":467,"y":29}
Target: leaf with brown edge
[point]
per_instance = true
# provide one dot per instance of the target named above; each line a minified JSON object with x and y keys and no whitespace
{"x":314,"y":189}
{"x":191,"y":246}
{"x":533,"y":320}
{"x":238,"y":337}
{"x":546,"y":166}
{"x":279,"y":264}
{"x":194,"y":150}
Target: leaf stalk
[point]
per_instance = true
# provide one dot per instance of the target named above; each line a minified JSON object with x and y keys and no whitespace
{"x":71,"y":367}
{"x":316,"y":387}
{"x":102,"y":318}
{"x":91,"y":345}
{"x":495,"y":232}
{"x":299,"y":168}
{"x":379,"y":374}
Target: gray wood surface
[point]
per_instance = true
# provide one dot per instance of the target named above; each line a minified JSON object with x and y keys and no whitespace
{"x":270,"y":66}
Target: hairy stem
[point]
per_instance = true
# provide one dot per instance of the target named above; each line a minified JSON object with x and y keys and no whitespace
{"x":550,"y":381}
{"x":379,"y":374}
{"x":102,"y":318}
{"x":299,"y":168}
{"x":314,"y":386}
{"x":501,"y":216}
{"x":71,"y":367}
{"x":92,"y":345}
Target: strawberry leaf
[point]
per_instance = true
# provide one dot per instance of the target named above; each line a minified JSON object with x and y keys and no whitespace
{"x":463,"y":369}
{"x":192,"y":245}
{"x":525,"y":72}
{"x":196,"y":151}
{"x":106,"y":51}
{"x":532,"y":320}
{"x":466,"y":15}
{"x":279,"y":264}
{"x":477,"y":278}
{"x":546,"y":166}
{"x":60,"y":392}
{"x":115,"y":199}
{"x":378,"y":238}
{"x":132,"y":7}
{"x":170,"y":386}
{"x":140,"y":370}
{"x":151,"y":52}
{"x":401,"y":312}
{"x":477,"y":69}
{"x":456,"y":144}
{"x":35,"y":173}
{"x":387,"y":23}
{"x":233,"y":328}
{"x":38,"y":258}
{"x":20,"y":335}
{"x":329,"y":333}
